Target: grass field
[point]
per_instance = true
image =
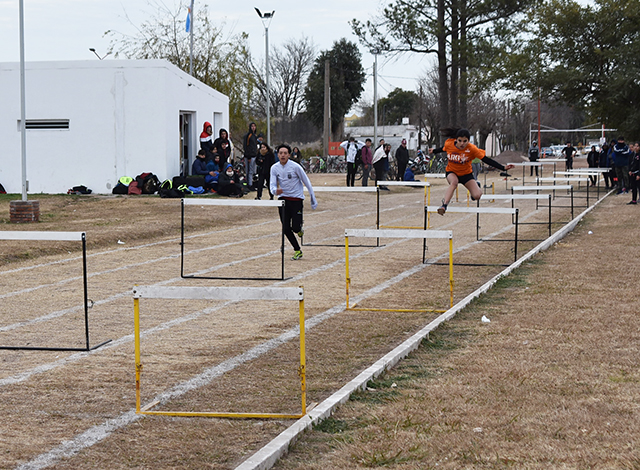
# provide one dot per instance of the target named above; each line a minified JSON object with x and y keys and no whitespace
{"x":75,"y":410}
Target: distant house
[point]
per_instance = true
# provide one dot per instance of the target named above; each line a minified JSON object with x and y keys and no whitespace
{"x":349,"y":120}
{"x":91,"y":122}
{"x":391,"y":134}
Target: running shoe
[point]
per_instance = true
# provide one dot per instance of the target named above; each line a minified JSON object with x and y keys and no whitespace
{"x":632,"y":203}
{"x":442,"y":209}
{"x":301,"y":233}
{"x":296,"y":255}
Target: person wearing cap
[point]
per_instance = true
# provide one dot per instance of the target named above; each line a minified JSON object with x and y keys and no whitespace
{"x":402,"y":159}
{"x":534,"y":153}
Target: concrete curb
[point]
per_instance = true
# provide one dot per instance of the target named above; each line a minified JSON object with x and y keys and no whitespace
{"x":266,"y":457}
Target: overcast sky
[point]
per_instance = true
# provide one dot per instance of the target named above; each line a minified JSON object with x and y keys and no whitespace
{"x":66,"y":29}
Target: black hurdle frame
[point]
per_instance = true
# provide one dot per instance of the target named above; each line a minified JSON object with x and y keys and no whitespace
{"x":85,"y":289}
{"x":515,"y":240}
{"x":231,"y":278}
{"x":302,"y":243}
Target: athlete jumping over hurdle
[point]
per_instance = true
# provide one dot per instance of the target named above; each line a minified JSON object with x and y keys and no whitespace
{"x":460,"y":153}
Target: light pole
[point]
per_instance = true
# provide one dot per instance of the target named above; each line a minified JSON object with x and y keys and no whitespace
{"x":266,"y":21}
{"x":94,"y":51}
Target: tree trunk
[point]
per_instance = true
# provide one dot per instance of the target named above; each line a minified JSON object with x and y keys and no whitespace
{"x":455,"y":64}
{"x":443,"y":84}
{"x":464,"y":88}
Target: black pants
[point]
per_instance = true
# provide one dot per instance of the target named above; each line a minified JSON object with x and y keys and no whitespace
{"x":262,"y":177}
{"x":635,"y":185}
{"x":608,"y":178}
{"x":533,"y":160}
{"x":230,"y":190}
{"x":351,"y":174}
{"x":402,"y":167}
{"x":291,"y":217}
{"x":379,"y":169}
{"x":569,"y":165}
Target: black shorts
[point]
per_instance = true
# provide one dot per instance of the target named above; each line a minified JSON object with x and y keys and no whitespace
{"x":464,"y":179}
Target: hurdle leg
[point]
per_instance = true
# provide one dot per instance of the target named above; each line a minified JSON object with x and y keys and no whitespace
{"x":136,"y":326}
{"x":515,"y":248}
{"x":182,"y":240}
{"x":571,"y":202}
{"x":86,"y":295}
{"x":346,"y":264}
{"x":549,"y":213}
{"x":303,"y":361}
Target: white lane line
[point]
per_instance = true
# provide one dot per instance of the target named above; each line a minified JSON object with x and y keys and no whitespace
{"x":97,"y":433}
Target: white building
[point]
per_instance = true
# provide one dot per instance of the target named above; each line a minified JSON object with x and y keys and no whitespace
{"x":391,"y":134}
{"x":91,"y":122}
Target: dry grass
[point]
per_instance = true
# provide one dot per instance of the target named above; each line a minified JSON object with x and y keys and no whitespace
{"x":60,"y":404}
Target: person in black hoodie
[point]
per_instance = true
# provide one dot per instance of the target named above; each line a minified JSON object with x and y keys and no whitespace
{"x":620,"y":157}
{"x":265,"y":161}
{"x":229,"y":183}
{"x":634,"y":173}
{"x":402,"y":158}
{"x":250,"y":147}
{"x":223,"y":145}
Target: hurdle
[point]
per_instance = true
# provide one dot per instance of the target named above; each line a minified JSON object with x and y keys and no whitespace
{"x":229,"y":203}
{"x":218,"y":293}
{"x":548,"y":187}
{"x":420,"y":184}
{"x":390,"y":233}
{"x":568,"y":180}
{"x":519,"y":197}
{"x":59,"y":237}
{"x":347,"y":189}
{"x":486,"y":210}
{"x":526,"y":165}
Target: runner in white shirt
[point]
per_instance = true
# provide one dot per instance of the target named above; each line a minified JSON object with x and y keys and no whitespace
{"x":287,"y":180}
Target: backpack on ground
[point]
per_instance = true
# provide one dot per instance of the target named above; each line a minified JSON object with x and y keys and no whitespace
{"x":168,"y":191}
{"x":148,"y":183}
{"x":2,"y":190}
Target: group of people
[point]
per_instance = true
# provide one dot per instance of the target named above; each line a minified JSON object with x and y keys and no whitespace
{"x":622,"y":161}
{"x":361,"y":153}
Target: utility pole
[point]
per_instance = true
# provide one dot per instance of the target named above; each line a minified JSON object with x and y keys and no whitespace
{"x":327,"y":107}
{"x":191,"y":39}
{"x":375,"y":99}
{"x":420,"y":121}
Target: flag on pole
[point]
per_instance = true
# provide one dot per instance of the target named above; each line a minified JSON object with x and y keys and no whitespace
{"x":188,"y":19}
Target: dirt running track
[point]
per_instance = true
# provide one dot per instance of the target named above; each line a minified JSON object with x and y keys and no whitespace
{"x":76,"y":410}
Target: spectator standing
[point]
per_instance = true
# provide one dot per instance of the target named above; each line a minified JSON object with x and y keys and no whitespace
{"x":379,"y":158}
{"x":287,"y":180}
{"x":264,"y":162}
{"x":605,"y":162}
{"x":250,"y":150}
{"x":569,"y":151}
{"x":351,"y":148}
{"x":206,"y":142}
{"x":367,"y":161}
{"x":634,"y":173}
{"x":296,"y":155}
{"x":621,"y":154}
{"x":402,"y":159}
{"x":534,"y":154}
{"x":593,"y":159}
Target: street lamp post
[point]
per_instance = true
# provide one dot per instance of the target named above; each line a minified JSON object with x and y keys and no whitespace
{"x":97,"y":55}
{"x":266,"y":21}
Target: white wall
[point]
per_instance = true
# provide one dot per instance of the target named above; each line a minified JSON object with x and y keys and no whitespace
{"x":124,"y":120}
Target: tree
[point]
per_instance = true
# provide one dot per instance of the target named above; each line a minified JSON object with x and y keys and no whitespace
{"x":447,"y":29}
{"x":289,"y":68}
{"x":220,"y":61}
{"x":582,"y":55}
{"x":347,"y":79}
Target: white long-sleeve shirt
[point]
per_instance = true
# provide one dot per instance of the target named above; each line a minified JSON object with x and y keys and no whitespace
{"x":291,"y":178}
{"x":380,"y":154}
{"x":352,"y":150}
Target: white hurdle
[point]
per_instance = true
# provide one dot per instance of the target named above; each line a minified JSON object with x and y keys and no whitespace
{"x":526,"y":165}
{"x":218,"y":293}
{"x":520,"y":197}
{"x":395,"y":233}
{"x":229,"y":203}
{"x":548,"y":187}
{"x":346,"y":189}
{"x":60,"y":237}
{"x":416,"y":184}
{"x":485,"y":210}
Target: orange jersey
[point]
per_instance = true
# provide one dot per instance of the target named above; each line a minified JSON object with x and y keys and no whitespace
{"x":460,"y":160}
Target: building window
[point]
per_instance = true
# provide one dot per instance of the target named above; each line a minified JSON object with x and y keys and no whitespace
{"x":45,"y":124}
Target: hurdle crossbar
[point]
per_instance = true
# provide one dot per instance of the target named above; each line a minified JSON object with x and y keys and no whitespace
{"x":419,"y":184}
{"x":219,"y":293}
{"x":346,"y":189}
{"x":233,"y":203}
{"x":58,"y":236}
{"x":486,"y":210}
{"x":549,"y":187}
{"x":530,"y":165}
{"x":395,"y":233}
{"x":519,"y":197}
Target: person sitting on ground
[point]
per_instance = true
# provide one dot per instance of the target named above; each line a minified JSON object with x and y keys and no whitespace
{"x":409,"y":175}
{"x":199,"y":166}
{"x":229,"y":184}
{"x":213,"y":167}
{"x":460,"y":153}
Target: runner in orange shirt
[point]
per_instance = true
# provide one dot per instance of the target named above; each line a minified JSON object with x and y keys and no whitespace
{"x":460,"y":153}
